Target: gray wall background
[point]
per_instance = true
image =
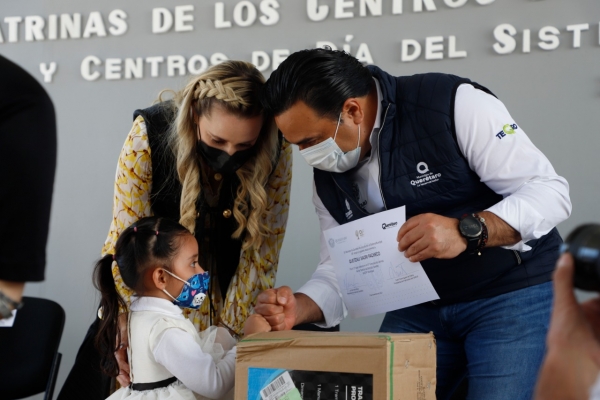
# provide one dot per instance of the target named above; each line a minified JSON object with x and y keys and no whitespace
{"x":553,"y":95}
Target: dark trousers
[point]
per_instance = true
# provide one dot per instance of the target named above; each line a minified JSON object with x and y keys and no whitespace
{"x":497,"y":343}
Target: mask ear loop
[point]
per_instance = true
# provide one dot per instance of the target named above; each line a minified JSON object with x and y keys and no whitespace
{"x":337,"y":127}
{"x":176,"y":277}
{"x":169,"y":294}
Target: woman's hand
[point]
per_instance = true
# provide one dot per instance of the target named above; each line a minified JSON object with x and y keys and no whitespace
{"x":256,"y":323}
{"x":121,"y":352}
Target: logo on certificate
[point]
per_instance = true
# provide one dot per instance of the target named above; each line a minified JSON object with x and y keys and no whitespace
{"x":333,"y":241}
{"x":359,"y":233}
{"x":388,"y":225}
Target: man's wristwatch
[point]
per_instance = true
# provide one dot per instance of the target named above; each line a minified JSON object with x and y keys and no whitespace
{"x":7,"y":305}
{"x":472,"y":227}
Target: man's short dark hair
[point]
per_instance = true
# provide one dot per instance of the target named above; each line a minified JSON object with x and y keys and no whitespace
{"x":321,"y":78}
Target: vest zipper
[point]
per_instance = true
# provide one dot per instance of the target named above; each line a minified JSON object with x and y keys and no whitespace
{"x":518,"y":257}
{"x":379,"y":154}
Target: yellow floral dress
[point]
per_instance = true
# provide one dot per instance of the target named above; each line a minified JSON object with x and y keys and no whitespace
{"x":257,"y":267}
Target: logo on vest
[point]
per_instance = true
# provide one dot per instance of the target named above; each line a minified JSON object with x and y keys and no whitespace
{"x":425,"y":177}
{"x":422,"y":168}
{"x":508,"y":129}
{"x":349,"y":213}
{"x":360,"y":197}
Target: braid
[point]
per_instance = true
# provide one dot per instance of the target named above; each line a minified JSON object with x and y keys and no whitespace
{"x":224,"y":92}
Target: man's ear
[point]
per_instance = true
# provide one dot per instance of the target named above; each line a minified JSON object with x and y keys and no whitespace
{"x":353,"y":108}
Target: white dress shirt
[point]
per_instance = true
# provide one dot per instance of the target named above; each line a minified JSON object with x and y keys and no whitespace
{"x":535,"y":198}
{"x":595,"y":390}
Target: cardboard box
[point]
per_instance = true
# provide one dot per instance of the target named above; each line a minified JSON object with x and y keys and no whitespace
{"x":294,"y":365}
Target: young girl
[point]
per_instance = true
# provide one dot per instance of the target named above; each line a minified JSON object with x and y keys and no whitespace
{"x":168,"y":358}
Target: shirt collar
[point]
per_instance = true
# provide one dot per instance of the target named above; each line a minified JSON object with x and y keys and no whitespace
{"x":377,"y":125}
{"x":148,"y":303}
{"x":373,"y":138}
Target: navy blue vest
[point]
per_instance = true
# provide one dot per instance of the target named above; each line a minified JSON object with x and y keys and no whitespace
{"x":422,"y":168}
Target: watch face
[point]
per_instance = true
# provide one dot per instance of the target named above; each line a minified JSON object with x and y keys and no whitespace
{"x":470,"y":227}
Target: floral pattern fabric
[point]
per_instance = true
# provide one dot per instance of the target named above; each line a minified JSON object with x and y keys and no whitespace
{"x":257,"y":268}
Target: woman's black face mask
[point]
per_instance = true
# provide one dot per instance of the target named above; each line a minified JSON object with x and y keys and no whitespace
{"x":222,"y":162}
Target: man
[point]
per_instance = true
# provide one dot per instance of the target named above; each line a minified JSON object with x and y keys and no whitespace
{"x":482,"y":203}
{"x":27,"y":162}
{"x":571,"y":369}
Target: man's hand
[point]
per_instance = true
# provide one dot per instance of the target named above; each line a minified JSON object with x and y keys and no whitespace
{"x":278,"y":306}
{"x":572,"y":361}
{"x":121,"y":353}
{"x":430,"y":236}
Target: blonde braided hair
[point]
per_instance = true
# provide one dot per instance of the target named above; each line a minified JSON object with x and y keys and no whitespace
{"x":235,"y":86}
{"x":216,"y":89}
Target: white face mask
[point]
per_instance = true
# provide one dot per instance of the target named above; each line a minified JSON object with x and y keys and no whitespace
{"x":328,"y":156}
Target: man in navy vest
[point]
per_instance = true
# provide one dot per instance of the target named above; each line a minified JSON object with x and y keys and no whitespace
{"x":482,"y":203}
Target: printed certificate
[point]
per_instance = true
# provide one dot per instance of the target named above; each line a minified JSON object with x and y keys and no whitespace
{"x":373,"y":275}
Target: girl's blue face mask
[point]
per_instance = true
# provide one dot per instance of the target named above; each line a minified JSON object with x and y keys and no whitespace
{"x":193,"y":292}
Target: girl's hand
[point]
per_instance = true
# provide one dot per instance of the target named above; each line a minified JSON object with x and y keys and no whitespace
{"x":256,"y":323}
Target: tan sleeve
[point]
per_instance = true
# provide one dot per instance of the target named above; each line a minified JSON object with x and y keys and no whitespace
{"x":133,"y":182}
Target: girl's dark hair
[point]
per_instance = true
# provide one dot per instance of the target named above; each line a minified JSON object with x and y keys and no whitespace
{"x":323,"y":79}
{"x":149,"y":242}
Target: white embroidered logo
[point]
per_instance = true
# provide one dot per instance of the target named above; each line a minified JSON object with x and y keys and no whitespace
{"x":349,"y":213}
{"x":425,"y":177}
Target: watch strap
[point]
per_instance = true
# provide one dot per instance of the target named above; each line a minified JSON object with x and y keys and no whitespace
{"x":5,"y":311}
{"x":472,"y":244}
{"x":7,"y":305}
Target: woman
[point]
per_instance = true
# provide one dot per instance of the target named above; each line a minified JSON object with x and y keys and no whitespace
{"x":210,"y":159}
